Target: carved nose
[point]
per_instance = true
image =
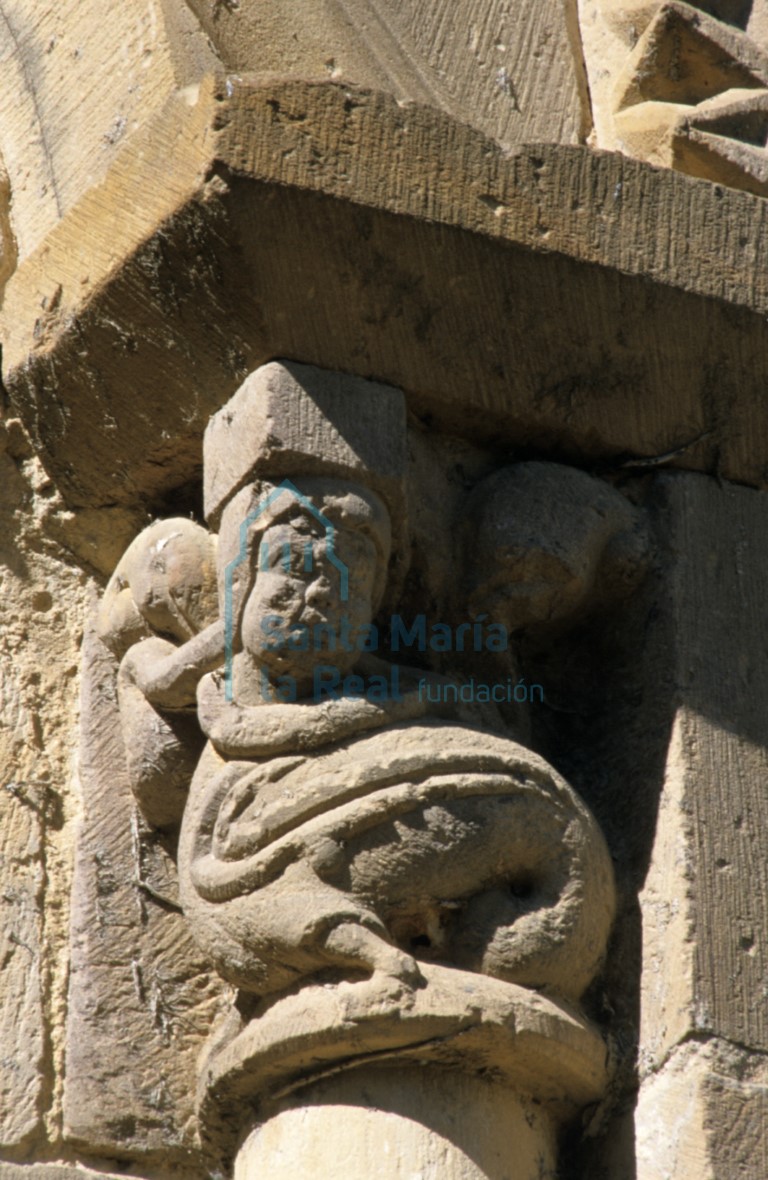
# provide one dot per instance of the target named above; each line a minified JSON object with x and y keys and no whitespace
{"x":318,"y":593}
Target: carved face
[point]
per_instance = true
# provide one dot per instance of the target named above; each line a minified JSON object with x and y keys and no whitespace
{"x":165,"y":584}
{"x":316,"y":584}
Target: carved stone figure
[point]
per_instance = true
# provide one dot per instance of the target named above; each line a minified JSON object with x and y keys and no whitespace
{"x":350,"y":819}
{"x":306,"y":846}
{"x":162,"y":594}
{"x":353,"y":820}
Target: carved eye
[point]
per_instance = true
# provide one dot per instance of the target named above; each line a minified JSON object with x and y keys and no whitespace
{"x":522,"y":887}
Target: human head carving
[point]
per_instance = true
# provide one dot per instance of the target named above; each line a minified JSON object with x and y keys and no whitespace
{"x":339,"y":443}
{"x":550,"y":542}
{"x":165,"y":583}
{"x":313,"y":552}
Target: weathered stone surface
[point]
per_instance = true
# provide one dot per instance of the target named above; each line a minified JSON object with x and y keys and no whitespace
{"x":140,"y":1001}
{"x":460,"y":300}
{"x":514,"y":72}
{"x":74,"y":87}
{"x":704,"y":899}
{"x":704,"y":1116}
{"x":22,"y":809}
{"x":706,"y":895}
{"x":655,"y":715}
{"x":41,"y":601}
